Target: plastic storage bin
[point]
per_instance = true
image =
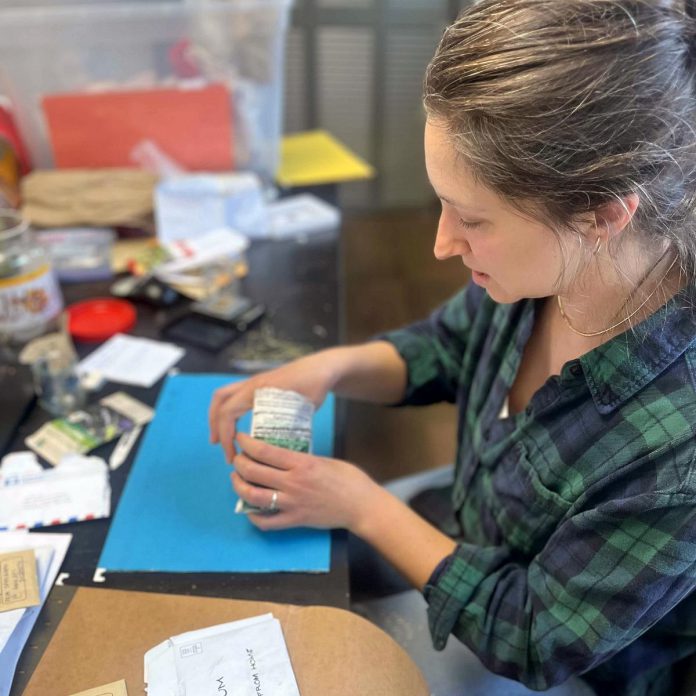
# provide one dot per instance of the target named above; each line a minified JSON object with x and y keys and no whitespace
{"x":79,"y":253}
{"x":107,"y":47}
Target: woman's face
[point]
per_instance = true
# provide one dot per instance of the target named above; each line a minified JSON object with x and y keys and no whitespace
{"x":509,"y":255}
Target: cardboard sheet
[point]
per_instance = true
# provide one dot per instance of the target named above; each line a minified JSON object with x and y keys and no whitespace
{"x":176,"y":513}
{"x":193,"y":126}
{"x":105,"y":634}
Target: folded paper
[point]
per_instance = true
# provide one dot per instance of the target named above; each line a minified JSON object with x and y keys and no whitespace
{"x":132,"y":360}
{"x":247,"y":657}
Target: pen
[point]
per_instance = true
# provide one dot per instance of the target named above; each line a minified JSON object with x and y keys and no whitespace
{"x":124,"y":446}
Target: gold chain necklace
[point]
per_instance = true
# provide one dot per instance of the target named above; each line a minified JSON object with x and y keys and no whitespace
{"x":590,"y":334}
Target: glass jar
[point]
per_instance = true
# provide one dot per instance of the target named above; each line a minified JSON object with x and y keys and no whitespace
{"x":30,"y":298}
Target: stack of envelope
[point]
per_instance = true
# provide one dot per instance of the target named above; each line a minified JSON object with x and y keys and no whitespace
{"x":16,"y":624}
{"x":245,"y":658}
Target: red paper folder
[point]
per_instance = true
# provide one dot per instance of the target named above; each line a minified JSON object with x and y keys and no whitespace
{"x":193,"y":126}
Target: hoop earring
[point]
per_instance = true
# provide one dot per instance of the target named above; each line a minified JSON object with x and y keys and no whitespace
{"x":597,"y":246}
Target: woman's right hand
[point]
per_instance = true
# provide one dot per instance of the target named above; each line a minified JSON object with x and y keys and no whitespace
{"x":313,"y":376}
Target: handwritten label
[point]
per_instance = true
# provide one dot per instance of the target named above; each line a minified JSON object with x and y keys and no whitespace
{"x":254,"y":672}
{"x":19,"y":586}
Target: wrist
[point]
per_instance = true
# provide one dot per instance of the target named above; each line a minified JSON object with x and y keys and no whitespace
{"x":369,"y":512}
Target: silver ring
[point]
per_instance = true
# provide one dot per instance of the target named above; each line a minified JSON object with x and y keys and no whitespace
{"x":273,"y":507}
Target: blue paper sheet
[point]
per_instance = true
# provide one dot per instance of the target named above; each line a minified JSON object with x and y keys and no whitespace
{"x":176,"y":513}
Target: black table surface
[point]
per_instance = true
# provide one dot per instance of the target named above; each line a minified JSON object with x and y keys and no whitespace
{"x":298,"y":282}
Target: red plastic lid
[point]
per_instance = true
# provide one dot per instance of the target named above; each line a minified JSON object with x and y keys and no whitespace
{"x":100,"y":318}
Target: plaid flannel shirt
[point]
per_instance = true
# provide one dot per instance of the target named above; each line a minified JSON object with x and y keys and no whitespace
{"x":577,"y":517}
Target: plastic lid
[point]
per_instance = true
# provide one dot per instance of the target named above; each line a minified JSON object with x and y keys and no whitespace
{"x":100,"y":318}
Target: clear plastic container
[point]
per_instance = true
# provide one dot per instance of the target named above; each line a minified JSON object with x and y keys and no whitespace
{"x":30,"y":299}
{"x":132,"y":45}
{"x":79,"y":253}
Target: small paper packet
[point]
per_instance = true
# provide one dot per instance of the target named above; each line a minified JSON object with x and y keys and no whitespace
{"x":86,"y":429}
{"x":19,"y":584}
{"x":114,"y":689}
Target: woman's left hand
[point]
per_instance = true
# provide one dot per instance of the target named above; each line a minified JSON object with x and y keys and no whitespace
{"x":311,"y":491}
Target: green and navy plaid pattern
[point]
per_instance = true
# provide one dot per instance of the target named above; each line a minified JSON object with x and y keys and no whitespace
{"x":577,"y":516}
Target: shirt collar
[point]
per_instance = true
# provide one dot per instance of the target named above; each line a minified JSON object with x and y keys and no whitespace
{"x":619,"y":368}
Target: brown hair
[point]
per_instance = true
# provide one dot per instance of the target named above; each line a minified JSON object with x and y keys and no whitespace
{"x":572,"y":103}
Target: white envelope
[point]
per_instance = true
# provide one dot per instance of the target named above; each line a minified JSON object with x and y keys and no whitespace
{"x":244,"y":657}
{"x":31,"y":496}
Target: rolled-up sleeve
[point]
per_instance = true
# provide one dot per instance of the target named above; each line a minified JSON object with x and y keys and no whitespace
{"x":605,"y":576}
{"x":434,"y":348}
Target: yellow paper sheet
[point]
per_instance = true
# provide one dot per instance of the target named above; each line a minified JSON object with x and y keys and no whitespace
{"x":316,"y":157}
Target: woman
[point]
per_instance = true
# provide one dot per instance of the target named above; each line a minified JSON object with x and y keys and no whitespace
{"x":559,"y":139}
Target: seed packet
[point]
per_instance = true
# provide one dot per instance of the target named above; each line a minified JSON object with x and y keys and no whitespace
{"x":87,"y":428}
